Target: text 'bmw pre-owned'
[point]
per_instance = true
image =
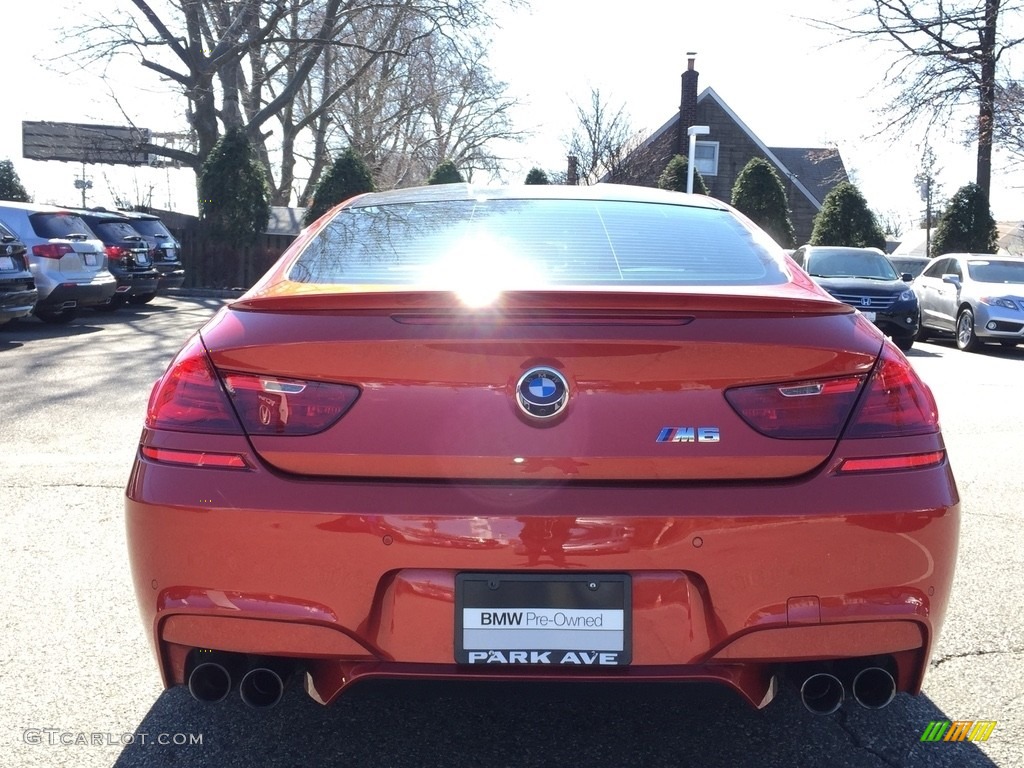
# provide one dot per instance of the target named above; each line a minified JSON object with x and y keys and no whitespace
{"x":541,"y":433}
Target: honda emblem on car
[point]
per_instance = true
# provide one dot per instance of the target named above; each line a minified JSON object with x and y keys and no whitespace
{"x":542,"y":393}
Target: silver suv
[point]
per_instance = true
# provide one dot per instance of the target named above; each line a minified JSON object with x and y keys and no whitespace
{"x":67,"y":261}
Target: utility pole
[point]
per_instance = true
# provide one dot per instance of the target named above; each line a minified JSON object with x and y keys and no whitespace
{"x":83,"y":184}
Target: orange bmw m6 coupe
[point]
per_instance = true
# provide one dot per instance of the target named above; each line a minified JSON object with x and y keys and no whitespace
{"x":541,"y":433}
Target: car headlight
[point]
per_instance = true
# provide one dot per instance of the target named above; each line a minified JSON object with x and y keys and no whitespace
{"x":908,"y":295}
{"x":998,"y":301}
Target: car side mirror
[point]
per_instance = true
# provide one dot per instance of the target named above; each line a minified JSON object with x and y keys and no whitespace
{"x":906,"y":277}
{"x":951,"y":279}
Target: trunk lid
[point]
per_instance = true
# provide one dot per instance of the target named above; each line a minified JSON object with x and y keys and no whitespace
{"x":439,"y":382}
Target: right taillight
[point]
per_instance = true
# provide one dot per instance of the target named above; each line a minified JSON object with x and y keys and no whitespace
{"x":51,"y":250}
{"x":798,"y":410}
{"x":115,"y":252}
{"x":896,"y":402}
{"x":890,"y":402}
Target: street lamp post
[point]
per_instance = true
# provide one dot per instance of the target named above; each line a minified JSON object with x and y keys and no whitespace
{"x":694,"y":131}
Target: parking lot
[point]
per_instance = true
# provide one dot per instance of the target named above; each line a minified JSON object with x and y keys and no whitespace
{"x":80,"y":687}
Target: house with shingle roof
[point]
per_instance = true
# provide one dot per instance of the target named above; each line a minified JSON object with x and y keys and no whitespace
{"x":807,"y":174}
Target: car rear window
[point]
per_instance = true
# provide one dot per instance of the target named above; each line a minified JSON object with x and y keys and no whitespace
{"x":7,"y":234}
{"x":538,"y":243}
{"x":996,"y":271}
{"x":62,"y":225}
{"x":113,"y":231}
{"x":151,"y":228}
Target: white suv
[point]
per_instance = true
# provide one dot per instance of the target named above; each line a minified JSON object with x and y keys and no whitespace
{"x":67,"y":261}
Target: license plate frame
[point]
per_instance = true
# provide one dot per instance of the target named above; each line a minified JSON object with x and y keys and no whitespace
{"x":7,"y":263}
{"x":566,"y":620}
{"x":90,"y":259}
{"x":870,"y":315}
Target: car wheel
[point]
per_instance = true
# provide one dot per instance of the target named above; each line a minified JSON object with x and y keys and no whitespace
{"x":143,"y":298}
{"x":903,"y":342}
{"x":60,"y":317}
{"x":966,"y":338}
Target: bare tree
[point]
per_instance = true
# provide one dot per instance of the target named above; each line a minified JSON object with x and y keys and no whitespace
{"x":949,"y":53}
{"x":606,"y":144}
{"x":439,"y":102}
{"x":250,"y":63}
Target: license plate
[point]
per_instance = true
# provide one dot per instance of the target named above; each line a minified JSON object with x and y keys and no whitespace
{"x":6,"y":262}
{"x":170,"y":254}
{"x":869,"y":315}
{"x":90,"y":260}
{"x":142,"y":258}
{"x":570,"y":620}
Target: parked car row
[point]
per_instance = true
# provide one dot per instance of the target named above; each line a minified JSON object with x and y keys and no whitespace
{"x":56,"y":261}
{"x":975,"y":298}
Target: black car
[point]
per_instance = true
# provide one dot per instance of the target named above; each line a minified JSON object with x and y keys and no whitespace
{"x":18,"y":292}
{"x":164,"y":250}
{"x":128,"y":258}
{"x":864,"y":278}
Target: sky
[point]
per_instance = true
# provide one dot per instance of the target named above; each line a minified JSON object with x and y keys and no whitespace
{"x":792,"y":84}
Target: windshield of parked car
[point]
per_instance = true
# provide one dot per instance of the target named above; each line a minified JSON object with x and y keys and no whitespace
{"x":996,"y":271}
{"x":524,"y":244}
{"x":848,"y":263}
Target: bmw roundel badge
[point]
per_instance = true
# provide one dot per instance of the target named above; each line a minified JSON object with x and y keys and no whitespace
{"x":542,"y":393}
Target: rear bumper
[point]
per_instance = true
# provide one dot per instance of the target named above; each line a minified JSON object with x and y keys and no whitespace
{"x":170,"y":277}
{"x":137,"y":283}
{"x":17,"y":298}
{"x":357,"y":579}
{"x":79,"y":294}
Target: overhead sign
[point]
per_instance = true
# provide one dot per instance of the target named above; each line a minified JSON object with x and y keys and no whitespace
{"x":84,"y":143}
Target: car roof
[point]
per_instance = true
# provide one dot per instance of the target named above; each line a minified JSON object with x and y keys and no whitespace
{"x":36,"y":207}
{"x":455,"y":192}
{"x":90,"y":213}
{"x":138,"y":215}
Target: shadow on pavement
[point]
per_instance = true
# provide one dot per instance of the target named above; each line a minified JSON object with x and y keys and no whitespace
{"x":483,"y":724}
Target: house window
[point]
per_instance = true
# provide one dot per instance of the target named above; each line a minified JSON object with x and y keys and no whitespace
{"x":705,"y":158}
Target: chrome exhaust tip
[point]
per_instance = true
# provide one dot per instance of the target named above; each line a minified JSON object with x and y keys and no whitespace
{"x":874,"y":688}
{"x":822,"y":693}
{"x":261,"y":687}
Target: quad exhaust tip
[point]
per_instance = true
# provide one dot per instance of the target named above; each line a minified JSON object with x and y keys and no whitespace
{"x":874,"y":688}
{"x":261,"y":688}
{"x":822,"y":693}
{"x":209,"y":682}
{"x":261,"y":682}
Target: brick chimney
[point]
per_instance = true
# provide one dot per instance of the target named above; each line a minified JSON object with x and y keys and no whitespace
{"x":687,"y":105}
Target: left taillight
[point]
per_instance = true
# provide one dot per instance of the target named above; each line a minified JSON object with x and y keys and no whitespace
{"x":269,"y":405}
{"x":190,"y":398}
